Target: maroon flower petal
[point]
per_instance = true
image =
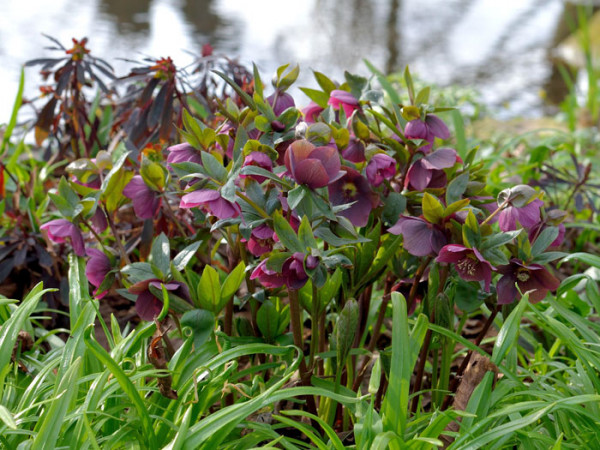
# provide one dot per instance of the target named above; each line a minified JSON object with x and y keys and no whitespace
{"x":441,"y":159}
{"x":148,"y":306}
{"x":418,"y":176}
{"x":311,"y":173}
{"x":330,"y":158}
{"x":198,"y":198}
{"x":506,"y":290}
{"x":97,"y":266}
{"x":437,"y":127}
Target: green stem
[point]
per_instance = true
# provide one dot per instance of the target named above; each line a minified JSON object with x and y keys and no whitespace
{"x":314,"y":323}
{"x":296,"y":324}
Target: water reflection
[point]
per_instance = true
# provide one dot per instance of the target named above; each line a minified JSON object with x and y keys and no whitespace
{"x":500,"y":48}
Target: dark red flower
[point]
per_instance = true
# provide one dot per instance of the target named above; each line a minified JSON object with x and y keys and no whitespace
{"x":267,"y":277}
{"x":147,"y":305}
{"x":343,"y":99}
{"x":469,"y":263}
{"x":280,"y":101}
{"x":60,"y":229}
{"x":533,"y":278}
{"x":313,"y":166}
{"x":421,"y":238}
{"x":428,"y":130}
{"x":381,"y":167}
{"x":353,"y":189}
{"x":211,"y":201}
{"x":427,"y":172}
{"x":258,"y":159}
{"x":145,"y":201}
{"x":527,"y":216}
{"x":261,"y":240}
{"x":354,"y":151}
{"x":183,"y":153}
{"x":96,"y":269}
{"x":293,"y":271}
{"x":311,"y":112}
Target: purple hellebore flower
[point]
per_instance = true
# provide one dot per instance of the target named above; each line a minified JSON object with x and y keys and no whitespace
{"x":145,"y":201}
{"x":98,"y":221}
{"x":311,"y":112}
{"x":261,"y":240}
{"x":532,"y":278}
{"x":343,"y":99}
{"x":353,"y":188}
{"x":183,"y":153}
{"x":96,"y":269}
{"x":267,"y":277}
{"x":147,"y":305}
{"x":280,"y":101}
{"x":427,"y":172}
{"x":380,"y":167}
{"x":293,"y":269}
{"x":258,"y":159}
{"x":212,"y":201}
{"x":313,"y":166}
{"x":421,"y":238}
{"x":354,"y":151}
{"x":527,"y":216}
{"x":59,"y":229}
{"x":430,"y":129}
{"x":469,"y":263}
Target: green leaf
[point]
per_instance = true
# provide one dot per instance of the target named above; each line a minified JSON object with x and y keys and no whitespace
{"x":471,"y":232}
{"x":286,"y":233}
{"x":255,"y":170}
{"x":330,"y":288}
{"x":345,"y":331}
{"x":543,"y":241}
{"x":319,"y":97}
{"x":201,"y":322}
{"x":213,"y":167}
{"x":409,"y":85}
{"x":368,"y":250}
{"x":305,"y":234}
{"x":509,"y":333}
{"x":50,"y":423}
{"x":183,"y":258}
{"x":160,"y":255}
{"x":138,"y":271}
{"x":326,"y":84}
{"x":295,"y":196}
{"x":283,"y":83}
{"x":243,"y":95}
{"x":7,"y":418}
{"x":422,"y":96}
{"x":587,"y":258}
{"x":433,"y":210}
{"x":232,"y":282}
{"x":272,"y":319}
{"x":15,"y":110}
{"x":395,"y":204}
{"x":209,"y":290}
{"x":498,"y":239}
{"x":153,"y":174}
{"x":456,"y":188}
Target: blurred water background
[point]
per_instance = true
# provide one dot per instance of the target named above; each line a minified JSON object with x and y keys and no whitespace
{"x":503,"y":48}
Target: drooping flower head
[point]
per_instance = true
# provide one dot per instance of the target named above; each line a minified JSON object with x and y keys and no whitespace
{"x":96,"y":269}
{"x":280,"y":101}
{"x":261,"y":240}
{"x":315,"y":167}
{"x":183,"y":153}
{"x":60,"y":229}
{"x":267,"y":277}
{"x":343,"y":99}
{"x":427,"y":130}
{"x":381,"y":167}
{"x":527,"y":215}
{"x":353,"y":188}
{"x":258,"y":159}
{"x":532,"y":278}
{"x":469,"y":263}
{"x":147,"y":305}
{"x":311,"y":112}
{"x":354,"y":151}
{"x":145,"y":200}
{"x":211,"y":201}
{"x":421,"y":238}
{"x":428,"y":172}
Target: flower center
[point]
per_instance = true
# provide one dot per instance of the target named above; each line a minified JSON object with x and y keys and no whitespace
{"x":349,"y":190}
{"x":468,"y":266}
{"x":523,"y":275}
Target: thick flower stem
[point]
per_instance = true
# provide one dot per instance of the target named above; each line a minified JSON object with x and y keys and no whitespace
{"x":296,"y":324}
{"x":491,"y":216}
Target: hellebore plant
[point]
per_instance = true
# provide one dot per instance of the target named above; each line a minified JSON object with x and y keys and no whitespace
{"x":319,"y":212}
